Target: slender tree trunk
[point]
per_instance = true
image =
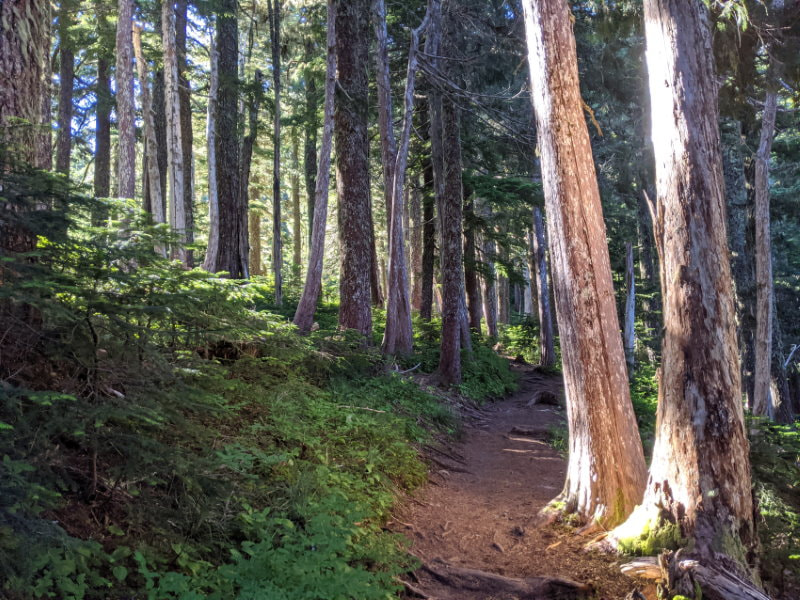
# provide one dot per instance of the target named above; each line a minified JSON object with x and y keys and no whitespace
{"x":546,"y":333}
{"x":356,"y":241}
{"x":489,"y":279}
{"x":175,"y":158}
{"x":231,"y":252}
{"x":102,"y":141}
{"x":156,"y":206}
{"x":297,"y":235}
{"x":415,"y":242}
{"x":66,"y":82}
{"x":310,"y":136}
{"x":699,"y":484}
{"x":255,"y":243}
{"x":399,"y":337}
{"x":304,"y":316}
{"x":471,"y":283}
{"x":212,"y":251}
{"x":629,"y":333}
{"x":428,"y":227}
{"x":604,"y":482}
{"x":160,"y":119}
{"x":187,"y":135}
{"x":277,"y":244}
{"x":385,"y":111}
{"x":126,"y":126}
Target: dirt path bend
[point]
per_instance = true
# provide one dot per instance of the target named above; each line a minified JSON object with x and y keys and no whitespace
{"x":477,"y":517}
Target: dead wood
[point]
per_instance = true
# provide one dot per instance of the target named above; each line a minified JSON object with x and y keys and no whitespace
{"x":530,"y":588}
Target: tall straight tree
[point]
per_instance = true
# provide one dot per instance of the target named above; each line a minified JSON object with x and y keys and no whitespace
{"x":297,"y":237}
{"x":546,"y":336}
{"x":212,"y":251}
{"x":700,"y":473}
{"x":66,"y":83}
{"x":398,"y":337}
{"x":252,"y":105}
{"x":274,"y":9}
{"x":604,"y":481}
{"x":175,"y":157}
{"x":352,"y":165}
{"x":310,"y":132}
{"x":126,"y":118}
{"x":187,"y":135}
{"x":232,"y":252}
{"x":304,"y":316}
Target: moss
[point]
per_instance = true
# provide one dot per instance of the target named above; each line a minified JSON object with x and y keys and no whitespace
{"x":654,"y":537}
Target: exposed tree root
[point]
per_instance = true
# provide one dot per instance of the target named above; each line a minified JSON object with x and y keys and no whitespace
{"x":530,"y":588}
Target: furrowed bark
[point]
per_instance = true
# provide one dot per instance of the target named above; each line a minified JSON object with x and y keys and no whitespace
{"x":546,"y":333}
{"x":629,"y":333}
{"x":274,"y":9}
{"x":212,"y":251}
{"x":126,"y":126}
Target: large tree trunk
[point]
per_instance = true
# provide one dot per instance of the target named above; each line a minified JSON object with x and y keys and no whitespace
{"x":699,"y":489}
{"x":66,"y":83}
{"x":489,"y":280}
{"x":629,"y":332}
{"x":232,"y":255}
{"x":428,"y":227}
{"x":304,"y":316}
{"x":471,"y":283}
{"x":546,"y":333}
{"x":604,"y":481}
{"x":352,"y":166}
{"x":450,"y":218}
{"x":212,"y":250}
{"x":24,"y":99}
{"x":187,"y":135}
{"x":385,"y":110}
{"x":175,"y":157}
{"x":398,"y":337}
{"x":254,"y":241}
{"x":126,"y":124}
{"x":274,"y":7}
{"x":102,"y":135}
{"x":156,"y":207}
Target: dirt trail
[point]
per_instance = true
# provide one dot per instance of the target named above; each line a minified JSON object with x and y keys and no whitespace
{"x":480,"y":510}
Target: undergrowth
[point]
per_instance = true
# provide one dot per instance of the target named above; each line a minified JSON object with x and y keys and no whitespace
{"x":165,"y":434}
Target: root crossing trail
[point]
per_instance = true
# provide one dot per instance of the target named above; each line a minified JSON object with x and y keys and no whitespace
{"x":475,"y":525}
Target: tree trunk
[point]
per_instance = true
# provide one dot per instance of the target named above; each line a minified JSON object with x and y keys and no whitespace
{"x":604,"y":482}
{"x":489,"y":280}
{"x":156,"y":206}
{"x":385,"y":111}
{"x":304,"y":316}
{"x":66,"y":82}
{"x":629,"y":333}
{"x":232,"y":255}
{"x":699,"y":489}
{"x":415,"y":242}
{"x":352,"y":166}
{"x":274,"y":8}
{"x":24,"y":100}
{"x":187,"y":135}
{"x":429,"y":224}
{"x":175,"y":158}
{"x":248,"y":142}
{"x":310,"y":135}
{"x":126,"y":119}
{"x":160,"y":119}
{"x":450,"y":219}
{"x":471,"y":284}
{"x":212,"y":251}
{"x":297,"y":235}
{"x":102,"y":140}
{"x":398,"y":337}
{"x":546,"y":333}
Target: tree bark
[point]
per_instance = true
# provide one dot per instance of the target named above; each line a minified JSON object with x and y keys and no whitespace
{"x":187,"y":135}
{"x":489,"y":279}
{"x":304,"y":316}
{"x":274,"y":9}
{"x":297,"y":235}
{"x":604,"y":482}
{"x":629,"y":332}
{"x":248,"y":142}
{"x":212,"y":250}
{"x":66,"y":83}
{"x":175,"y":157}
{"x":429,"y":222}
{"x":546,"y":334}
{"x":255,"y":242}
{"x":310,"y":137}
{"x":415,"y":242}
{"x":102,"y":140}
{"x":699,"y":478}
{"x":126,"y":125}
{"x":232,"y":255}
{"x":156,"y":207}
{"x":450,"y":219}
{"x":352,"y":166}
{"x":385,"y":111}
{"x":471,"y":283}
{"x":398,"y":337}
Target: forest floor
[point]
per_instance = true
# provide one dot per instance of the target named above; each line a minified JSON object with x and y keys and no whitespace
{"x":478,"y":516}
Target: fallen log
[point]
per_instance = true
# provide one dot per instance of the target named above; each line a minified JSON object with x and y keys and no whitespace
{"x":529,"y":588}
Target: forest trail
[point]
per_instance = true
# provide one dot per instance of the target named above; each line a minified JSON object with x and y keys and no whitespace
{"x":479,"y":511}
